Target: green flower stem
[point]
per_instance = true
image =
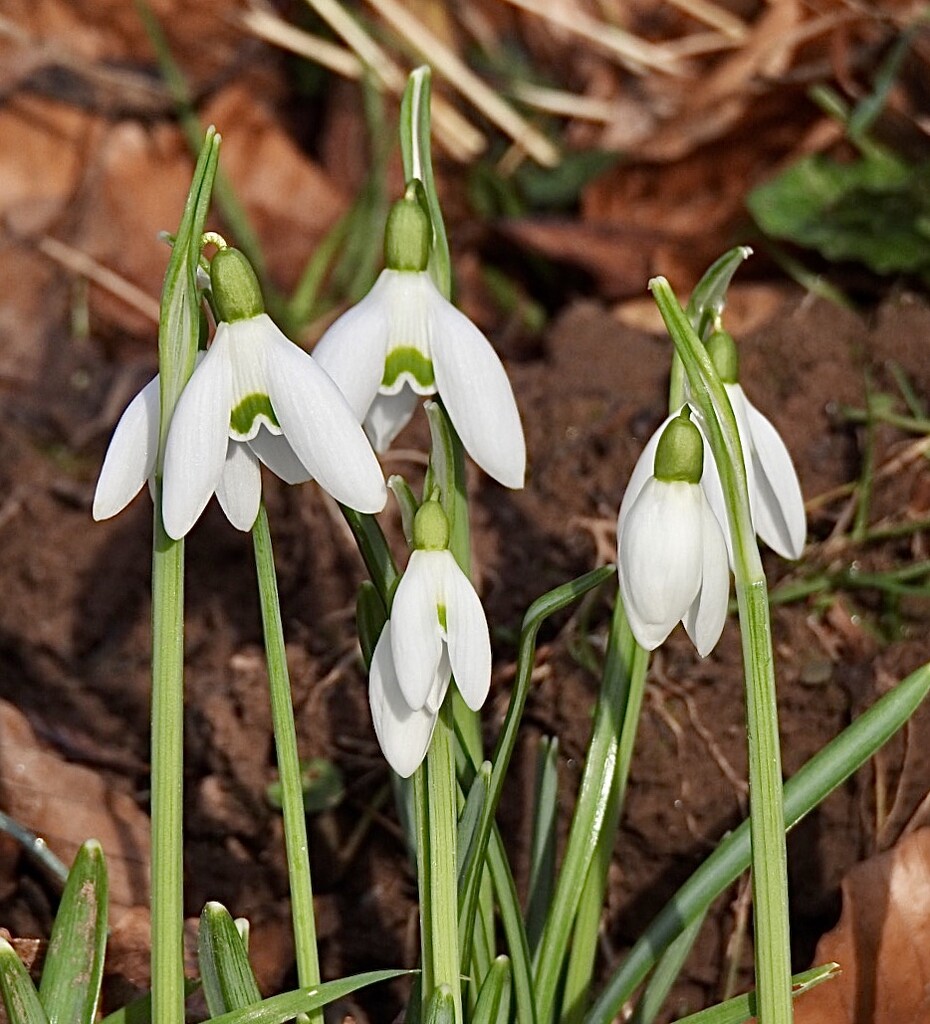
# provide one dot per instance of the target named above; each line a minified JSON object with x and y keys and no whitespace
{"x":178,"y":330}
{"x":767,"y":823}
{"x":580,"y":972}
{"x":167,"y":773}
{"x":285,"y":734}
{"x":435,"y":787}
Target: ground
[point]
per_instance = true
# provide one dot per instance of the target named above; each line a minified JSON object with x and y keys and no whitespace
{"x":74,"y":656}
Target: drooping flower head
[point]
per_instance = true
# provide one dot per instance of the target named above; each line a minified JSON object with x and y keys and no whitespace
{"x":775,"y":500}
{"x":257,"y":396}
{"x":672,"y":558}
{"x":254,"y":397}
{"x":437,"y":630}
{"x":405,"y":340}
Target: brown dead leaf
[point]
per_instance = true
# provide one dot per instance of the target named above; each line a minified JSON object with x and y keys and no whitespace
{"x":41,"y":155}
{"x":882,"y":943}
{"x":66,"y":804}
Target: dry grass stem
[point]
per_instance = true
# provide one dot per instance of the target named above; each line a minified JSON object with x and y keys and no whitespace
{"x":86,"y":266}
{"x":447,"y":63}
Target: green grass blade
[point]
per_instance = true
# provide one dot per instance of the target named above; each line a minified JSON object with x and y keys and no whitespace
{"x":494,"y":1001}
{"x":139,"y":1011}
{"x":19,"y":994}
{"x":826,"y":770}
{"x":228,"y":981}
{"x":538,"y":612}
{"x":470,"y":816}
{"x":542,"y":848}
{"x":743,"y":1008}
{"x":73,"y":968}
{"x":667,"y":970}
{"x":278,"y":1009}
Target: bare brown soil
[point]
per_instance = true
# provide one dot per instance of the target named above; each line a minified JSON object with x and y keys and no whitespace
{"x":74,"y":636}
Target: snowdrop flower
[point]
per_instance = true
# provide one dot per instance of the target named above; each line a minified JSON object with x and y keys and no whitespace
{"x":130,"y":462}
{"x":437,"y":629}
{"x":672,"y":558}
{"x":404,"y":340}
{"x":258,"y":396}
{"x":775,"y":500}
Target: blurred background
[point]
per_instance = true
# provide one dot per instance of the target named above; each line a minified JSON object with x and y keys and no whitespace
{"x":580,"y":147}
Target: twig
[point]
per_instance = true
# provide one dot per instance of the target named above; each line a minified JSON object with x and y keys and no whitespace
{"x":80,"y":263}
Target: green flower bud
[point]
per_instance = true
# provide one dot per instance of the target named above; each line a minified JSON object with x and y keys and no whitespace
{"x":722,"y":350}
{"x":236,"y":292}
{"x":430,"y":528}
{"x":680,"y":454}
{"x":407,"y":236}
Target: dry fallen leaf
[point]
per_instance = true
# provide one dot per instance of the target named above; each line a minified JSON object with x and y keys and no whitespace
{"x":66,"y":804}
{"x":882,"y":943}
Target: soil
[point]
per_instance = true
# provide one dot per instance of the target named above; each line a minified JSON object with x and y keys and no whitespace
{"x":74,"y":655}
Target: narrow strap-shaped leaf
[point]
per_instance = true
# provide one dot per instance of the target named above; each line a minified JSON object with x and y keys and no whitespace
{"x":278,"y":1009}
{"x":494,"y":1001}
{"x":706,"y":304}
{"x":743,"y":1008}
{"x":710,"y":293}
{"x":470,"y":815}
{"x":19,"y":994}
{"x":370,"y":617}
{"x":139,"y":1011}
{"x":538,"y":612}
{"x":826,"y":770}
{"x":441,"y":1009}
{"x":667,"y":970}
{"x":73,"y":968}
{"x":228,"y":981}
{"x":542,"y":848}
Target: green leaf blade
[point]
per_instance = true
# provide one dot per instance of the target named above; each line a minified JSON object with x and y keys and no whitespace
{"x":228,"y":981}
{"x":19,"y":994}
{"x":73,"y":971}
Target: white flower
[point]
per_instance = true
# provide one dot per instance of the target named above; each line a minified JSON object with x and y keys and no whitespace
{"x":403,"y":340}
{"x":437,"y":629}
{"x":775,"y":500}
{"x":671,"y":555}
{"x":255,"y":385}
{"x":130,"y":462}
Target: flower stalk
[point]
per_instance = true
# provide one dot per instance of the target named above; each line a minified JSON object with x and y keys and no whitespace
{"x":767,"y":824}
{"x":178,"y":332}
{"x":285,"y":734}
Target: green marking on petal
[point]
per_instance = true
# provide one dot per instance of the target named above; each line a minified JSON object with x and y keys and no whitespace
{"x":409,"y":361}
{"x":242,"y":418}
{"x":441,"y":611}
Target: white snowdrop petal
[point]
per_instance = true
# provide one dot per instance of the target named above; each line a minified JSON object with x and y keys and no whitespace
{"x":322,"y":429}
{"x":705,"y":618}
{"x":388,"y":415}
{"x":197,"y":440}
{"x":660,"y":558}
{"x":466,"y":634}
{"x":130,"y":458}
{"x":352,"y":350}
{"x":251,"y":408}
{"x":474,"y":388}
{"x":779,"y":508}
{"x":276,"y":453}
{"x":416,"y":641}
{"x":239,"y":490}
{"x":403,"y":734}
